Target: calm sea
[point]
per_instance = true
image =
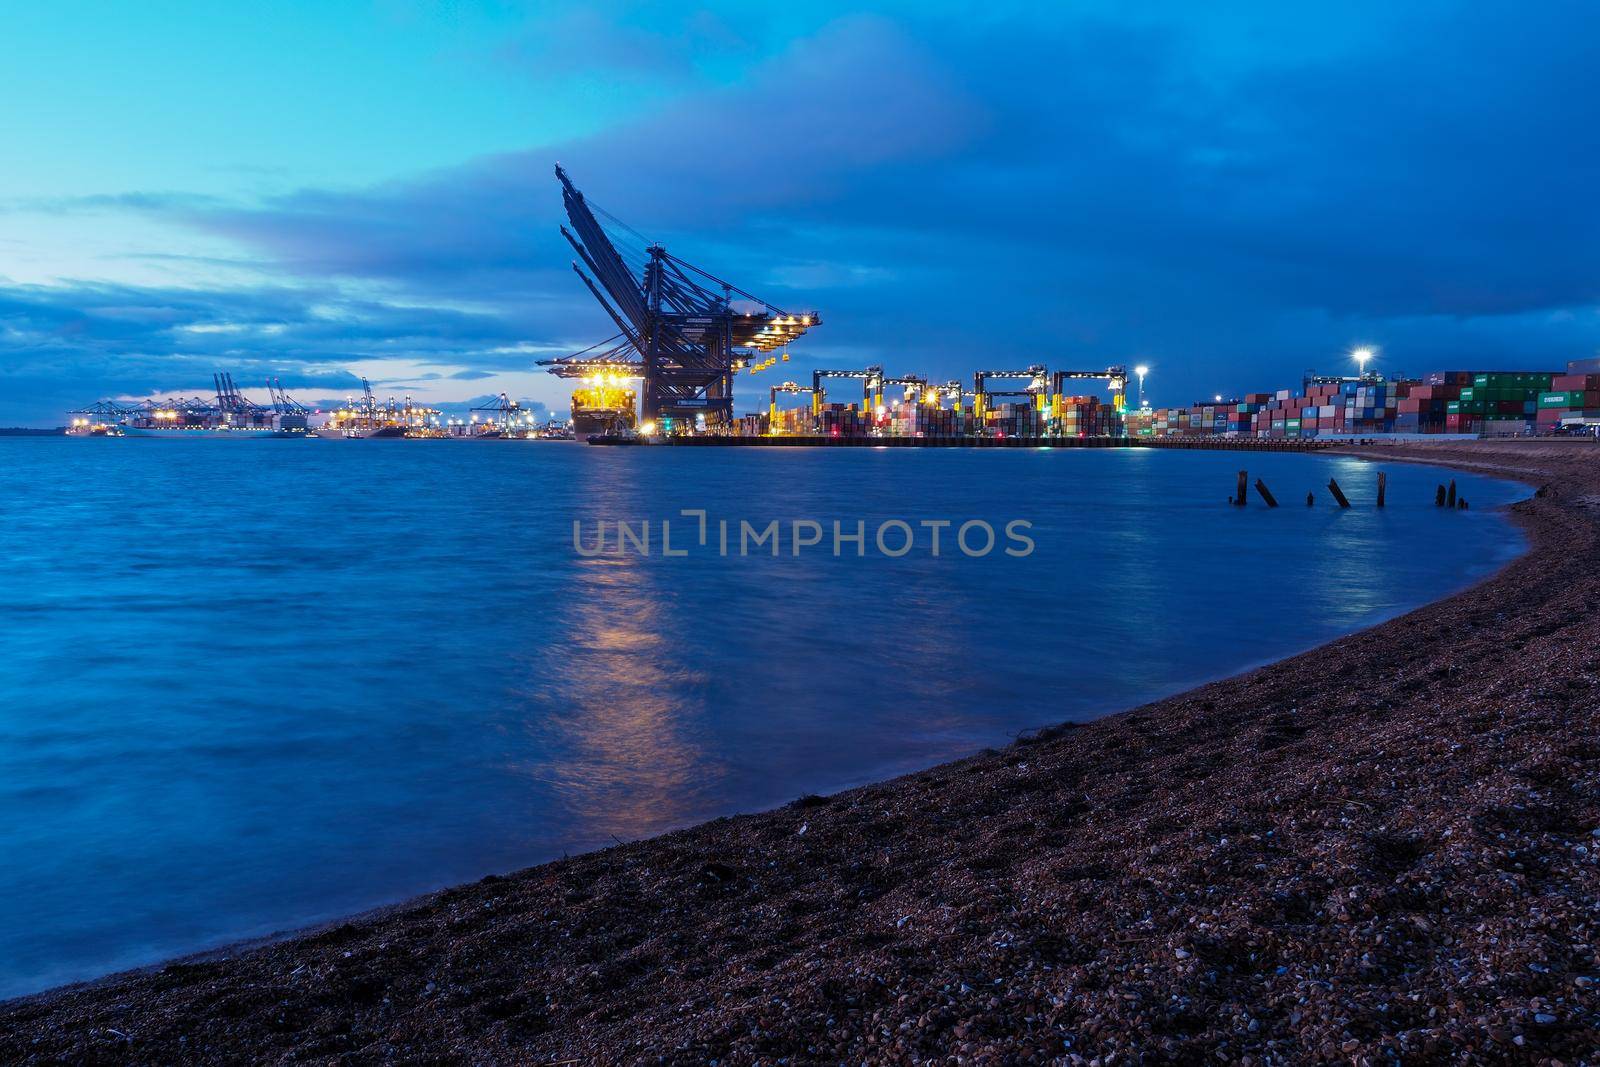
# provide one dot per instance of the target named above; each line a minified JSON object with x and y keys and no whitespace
{"x":250,"y":685}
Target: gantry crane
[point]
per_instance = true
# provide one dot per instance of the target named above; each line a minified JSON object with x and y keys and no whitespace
{"x":236,"y":408}
{"x":819,"y":394}
{"x":1038,"y":387}
{"x":772,"y":400}
{"x":679,"y":320}
{"x":502,"y":411}
{"x":1116,"y":377}
{"x":875,"y":384}
{"x":282,"y":402}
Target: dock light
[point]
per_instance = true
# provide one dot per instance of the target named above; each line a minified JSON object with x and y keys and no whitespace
{"x":1217,"y":398}
{"x":1361,"y":355}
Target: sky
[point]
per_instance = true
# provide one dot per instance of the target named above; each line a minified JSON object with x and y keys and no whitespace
{"x":1229,"y":193}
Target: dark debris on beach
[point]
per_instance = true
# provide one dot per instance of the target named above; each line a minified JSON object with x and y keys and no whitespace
{"x":1385,"y":850}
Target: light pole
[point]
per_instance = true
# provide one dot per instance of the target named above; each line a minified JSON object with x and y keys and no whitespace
{"x":1361,"y":356}
{"x":1141,"y":370}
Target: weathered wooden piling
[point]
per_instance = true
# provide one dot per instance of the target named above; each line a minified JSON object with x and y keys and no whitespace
{"x":1266,"y":494}
{"x":1438,"y":497}
{"x":1242,"y":496}
{"x":1311,"y":500}
{"x":1338,"y":494}
{"x":1383,"y":484}
{"x":1450,"y":499}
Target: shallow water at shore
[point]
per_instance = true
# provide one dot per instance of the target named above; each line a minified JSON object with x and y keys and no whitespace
{"x":253,"y":685}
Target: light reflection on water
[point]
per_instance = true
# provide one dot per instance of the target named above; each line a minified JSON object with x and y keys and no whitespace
{"x":253,"y":685}
{"x":619,"y":710}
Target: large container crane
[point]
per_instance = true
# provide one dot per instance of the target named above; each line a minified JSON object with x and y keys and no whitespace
{"x":680,"y":321}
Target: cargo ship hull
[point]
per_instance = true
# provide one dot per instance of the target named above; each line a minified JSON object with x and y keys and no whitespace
{"x":328,"y":433}
{"x":207,"y":432}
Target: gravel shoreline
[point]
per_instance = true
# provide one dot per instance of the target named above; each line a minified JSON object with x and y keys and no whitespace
{"x":1386,"y":849}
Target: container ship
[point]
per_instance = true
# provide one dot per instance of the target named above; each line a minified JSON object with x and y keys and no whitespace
{"x":366,"y":418}
{"x":603,"y":405}
{"x":230,"y":415}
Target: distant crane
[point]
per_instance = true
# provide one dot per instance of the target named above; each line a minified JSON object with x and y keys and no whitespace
{"x":234,"y":405}
{"x":502,"y":411}
{"x":282,"y":402}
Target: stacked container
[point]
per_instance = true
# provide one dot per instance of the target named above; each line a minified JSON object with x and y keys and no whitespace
{"x":1573,"y":398}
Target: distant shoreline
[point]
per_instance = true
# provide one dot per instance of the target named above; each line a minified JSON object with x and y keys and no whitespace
{"x":32,"y":431}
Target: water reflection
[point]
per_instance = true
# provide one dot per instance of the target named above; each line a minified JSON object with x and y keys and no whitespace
{"x":615,"y":708}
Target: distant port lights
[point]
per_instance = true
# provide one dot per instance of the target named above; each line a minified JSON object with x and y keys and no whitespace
{"x":1362,"y":355}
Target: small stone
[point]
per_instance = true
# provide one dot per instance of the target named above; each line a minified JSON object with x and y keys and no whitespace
{"x":1544,"y":1018}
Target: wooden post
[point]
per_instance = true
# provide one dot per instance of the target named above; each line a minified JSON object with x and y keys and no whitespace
{"x":1383,"y":483}
{"x":1266,"y":494}
{"x":1450,"y":500}
{"x":1438,"y":497}
{"x":1311,"y":500}
{"x":1242,"y":497}
{"x":1338,"y":494}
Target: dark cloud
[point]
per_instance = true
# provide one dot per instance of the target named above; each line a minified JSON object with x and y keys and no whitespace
{"x":1231,"y":205}
{"x":64,"y":346}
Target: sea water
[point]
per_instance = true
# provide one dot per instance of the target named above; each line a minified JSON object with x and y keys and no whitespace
{"x":247,"y":686}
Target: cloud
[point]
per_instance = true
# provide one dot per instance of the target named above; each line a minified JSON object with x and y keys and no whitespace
{"x":1231,"y":197}
{"x":64,"y":346}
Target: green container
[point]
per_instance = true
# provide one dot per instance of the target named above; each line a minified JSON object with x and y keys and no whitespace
{"x":1561,"y":400}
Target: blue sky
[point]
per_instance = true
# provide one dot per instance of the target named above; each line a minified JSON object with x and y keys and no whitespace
{"x":1230,"y":193}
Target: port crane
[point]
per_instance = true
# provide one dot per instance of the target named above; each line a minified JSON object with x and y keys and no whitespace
{"x":282,"y":402}
{"x":502,"y":412}
{"x":684,"y":325}
{"x":819,"y":394}
{"x":912,"y":382}
{"x":234,"y":405}
{"x":1116,"y":377}
{"x":1038,"y":386}
{"x":772,"y":400}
